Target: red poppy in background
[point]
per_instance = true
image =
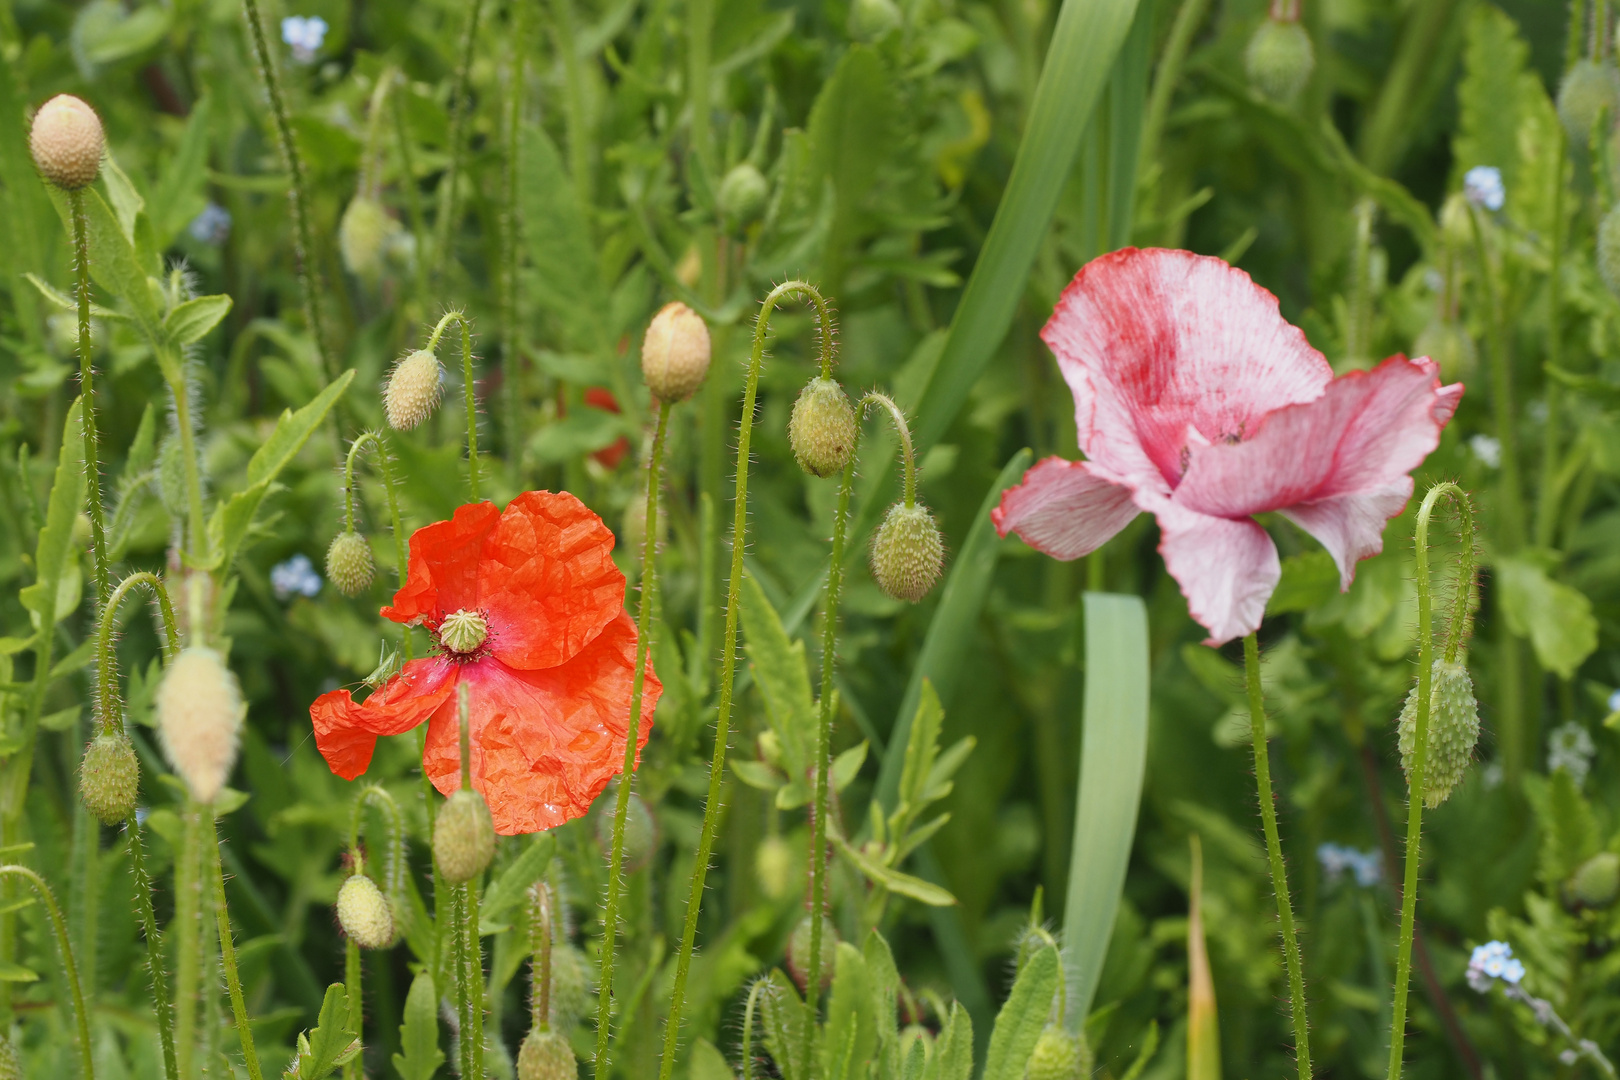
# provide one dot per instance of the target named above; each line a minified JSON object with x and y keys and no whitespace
{"x":527,"y":608}
{"x":601,"y":398}
{"x":1195,"y":401}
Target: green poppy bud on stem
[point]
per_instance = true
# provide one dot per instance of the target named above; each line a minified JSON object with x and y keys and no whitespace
{"x":1591,"y":88}
{"x":67,"y":142}
{"x":1059,"y":1056}
{"x":349,"y":564}
{"x":743,"y":193}
{"x":463,"y":837}
{"x":364,"y":235}
{"x":546,"y":1055}
{"x":1453,"y":730}
{"x":675,"y":353}
{"x":109,"y":777}
{"x":907,"y":553}
{"x":199,"y":708}
{"x":798,"y":956}
{"x":413,"y":390}
{"x":1279,"y":60}
{"x":822,"y":427}
{"x":1596,"y":882}
{"x":364,"y":914}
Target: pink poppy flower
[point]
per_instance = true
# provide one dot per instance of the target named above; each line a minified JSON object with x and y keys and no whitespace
{"x":1197,"y":403}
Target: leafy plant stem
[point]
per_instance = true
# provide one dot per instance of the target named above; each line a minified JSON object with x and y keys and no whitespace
{"x":728,"y":656}
{"x":227,"y":950}
{"x":59,"y":928}
{"x":1417,"y":777}
{"x":1279,"y":873}
{"x":87,"y":426}
{"x":107,"y":700}
{"x":156,"y":968}
{"x":621,"y":807}
{"x":459,"y":108}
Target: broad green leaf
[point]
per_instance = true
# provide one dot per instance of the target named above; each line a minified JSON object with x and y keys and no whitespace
{"x":55,"y":560}
{"x":847,"y":766}
{"x":513,"y":885}
{"x":420,"y":1056}
{"x":706,"y":1062}
{"x":1490,"y":95}
{"x":331,"y":1042}
{"x":1023,"y":1016}
{"x":784,"y":1020}
{"x":1569,"y":829}
{"x":583,"y":431}
{"x":953,"y":1049}
{"x":1113,"y":758}
{"x":1557,"y":618}
{"x":114,"y":264}
{"x":191,"y":321}
{"x":567,"y":279}
{"x":916,"y":888}
{"x":105,"y":31}
{"x":783,"y":680}
{"x":63,"y":302}
{"x":756,"y":774}
{"x":850,"y":1033}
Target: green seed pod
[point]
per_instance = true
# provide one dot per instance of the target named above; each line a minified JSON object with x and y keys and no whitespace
{"x":364,"y":236}
{"x":109,"y":777}
{"x":364,"y":914}
{"x":1608,"y":249}
{"x":1596,"y":881}
{"x":640,"y":828}
{"x":546,"y":1055}
{"x":1453,"y":730}
{"x":413,"y":390}
{"x":349,"y":564}
{"x":1591,"y":87}
{"x":822,"y":428}
{"x":463,"y":837}
{"x":1448,"y":344}
{"x":1057,"y":1056}
{"x":1279,"y":60}
{"x":773,"y":866}
{"x":907,"y":553}
{"x":742,"y":194}
{"x":798,"y":957}
{"x":870,"y":20}
{"x":67,"y":142}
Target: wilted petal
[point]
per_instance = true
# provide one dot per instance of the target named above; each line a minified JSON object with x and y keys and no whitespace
{"x":1061,"y":508}
{"x":346,"y":731}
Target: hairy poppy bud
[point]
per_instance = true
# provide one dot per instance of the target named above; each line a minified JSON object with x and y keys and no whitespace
{"x":1056,"y":1056}
{"x":798,"y":956}
{"x":1592,"y":87}
{"x":463,"y":837}
{"x":1453,"y":731}
{"x":570,"y":986}
{"x":675,"y":353}
{"x":109,"y":777}
{"x":743,"y":193}
{"x":546,"y":1055}
{"x":822,"y":427}
{"x":1279,"y":60}
{"x":349,"y":565}
{"x":67,"y":142}
{"x":907,"y":553}
{"x":364,"y":236}
{"x":640,"y":828}
{"x":1596,"y":881}
{"x":413,"y":390}
{"x":1446,"y":343}
{"x":773,"y":865}
{"x":870,"y":20}
{"x":1608,"y":249}
{"x":199,"y":708}
{"x":364,"y":914}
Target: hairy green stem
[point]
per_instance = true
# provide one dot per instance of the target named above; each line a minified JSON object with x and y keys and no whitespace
{"x":394,"y":867}
{"x":474,"y":975}
{"x":512,"y":352}
{"x":458,"y":932}
{"x":59,"y":928}
{"x":621,"y":807}
{"x":540,"y":969}
{"x":728,"y":656}
{"x":908,"y":456}
{"x":751,"y":1009}
{"x":156,"y":969}
{"x":227,"y":949}
{"x":459,"y":108}
{"x":1417,"y":778}
{"x":352,"y":984}
{"x":107,"y":698}
{"x":469,"y":387}
{"x":187,"y":938}
{"x":1279,"y":873}
{"x":87,"y":394}
{"x":1511,"y":512}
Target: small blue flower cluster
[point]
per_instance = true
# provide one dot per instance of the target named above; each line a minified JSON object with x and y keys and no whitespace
{"x":1482,"y":186}
{"x":1337,"y":859}
{"x":1492,"y":961}
{"x":304,"y":36}
{"x":295,"y":577}
{"x":212,"y":225}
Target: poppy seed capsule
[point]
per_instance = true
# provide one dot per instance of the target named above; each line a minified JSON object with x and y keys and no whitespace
{"x":907,"y":553}
{"x":109,"y":777}
{"x":1453,"y":731}
{"x":1279,"y":60}
{"x":798,"y":956}
{"x":822,"y":427}
{"x":1608,"y":249}
{"x":675,"y":353}
{"x":364,"y":236}
{"x":1590,"y":89}
{"x":1056,"y":1056}
{"x":413,"y":390}
{"x":743,"y":193}
{"x":546,"y":1055}
{"x":463,"y":837}
{"x":363,"y":912}
{"x":67,"y":142}
{"x":199,"y":708}
{"x":349,"y":564}
{"x":1596,"y":881}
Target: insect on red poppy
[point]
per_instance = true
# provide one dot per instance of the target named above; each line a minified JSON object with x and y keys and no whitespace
{"x":527,"y":608}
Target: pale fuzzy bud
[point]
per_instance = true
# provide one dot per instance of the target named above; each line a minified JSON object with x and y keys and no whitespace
{"x":109,"y":777}
{"x":773,"y":866}
{"x":413,"y":390}
{"x":1591,"y":88}
{"x":546,"y":1055}
{"x":364,"y":914}
{"x":907,"y":553}
{"x":349,"y":564}
{"x":364,"y":236}
{"x":743,"y":193}
{"x":1453,"y":731}
{"x":675,"y":353}
{"x":199,"y":708}
{"x":67,"y":142}
{"x":798,"y":956}
{"x":1608,"y":249}
{"x":1056,"y":1056}
{"x":640,"y":828}
{"x":1279,"y":60}
{"x":463,"y":837}
{"x":1596,"y":882}
{"x":822,"y":428}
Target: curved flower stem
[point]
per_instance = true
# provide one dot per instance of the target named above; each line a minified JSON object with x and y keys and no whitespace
{"x":297,"y":190}
{"x":749,"y":1069}
{"x":1417,"y":779}
{"x":621,"y":807}
{"x":1279,"y":873}
{"x":370,"y":180}
{"x":458,"y":121}
{"x":394,"y":867}
{"x":107,"y":700}
{"x":467,"y":382}
{"x":540,"y":969}
{"x":728,"y":656}
{"x":227,"y":949}
{"x":390,"y":490}
{"x":92,"y":452}
{"x":154,"y":948}
{"x":908,"y":456}
{"x":59,"y":928}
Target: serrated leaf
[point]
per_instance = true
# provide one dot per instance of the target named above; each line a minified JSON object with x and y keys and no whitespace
{"x":782,"y":677}
{"x":1490,"y":94}
{"x":850,"y":1032}
{"x":330,"y":1042}
{"x":784,"y":1022}
{"x":567,"y":280}
{"x":883,"y":988}
{"x":191,"y":321}
{"x":1023,"y":1016}
{"x":114,"y":263}
{"x":513,"y":884}
{"x":953,"y":1049}
{"x":420,"y":1056}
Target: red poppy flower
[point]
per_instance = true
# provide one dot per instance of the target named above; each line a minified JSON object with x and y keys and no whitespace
{"x":527,"y":608}
{"x":609,"y":456}
{"x":1196,"y":402}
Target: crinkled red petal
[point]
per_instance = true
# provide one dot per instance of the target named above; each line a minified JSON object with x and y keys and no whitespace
{"x":346,"y":731}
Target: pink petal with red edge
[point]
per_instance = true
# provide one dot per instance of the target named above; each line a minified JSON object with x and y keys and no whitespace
{"x":1227,"y":569}
{"x":443,"y":574}
{"x":1064,"y":510}
{"x":1154,"y":341}
{"x":544,"y":743}
{"x":346,"y":732}
{"x":1339,"y":466}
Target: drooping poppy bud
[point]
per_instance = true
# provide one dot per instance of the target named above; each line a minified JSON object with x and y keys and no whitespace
{"x":109,"y":777}
{"x":1596,"y":882}
{"x":463,"y":837}
{"x":364,"y":235}
{"x":364,"y":914}
{"x":1453,"y":731}
{"x":640,"y":828}
{"x":675,"y":353}
{"x":67,"y":142}
{"x":907,"y":553}
{"x":413,"y":390}
{"x":199,"y":707}
{"x":546,"y":1055}
{"x":1279,"y":60}
{"x":743,"y":193}
{"x":822,"y":427}
{"x":349,"y":564}
{"x":798,"y":956}
{"x":1056,"y":1056}
{"x":1591,"y":88}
